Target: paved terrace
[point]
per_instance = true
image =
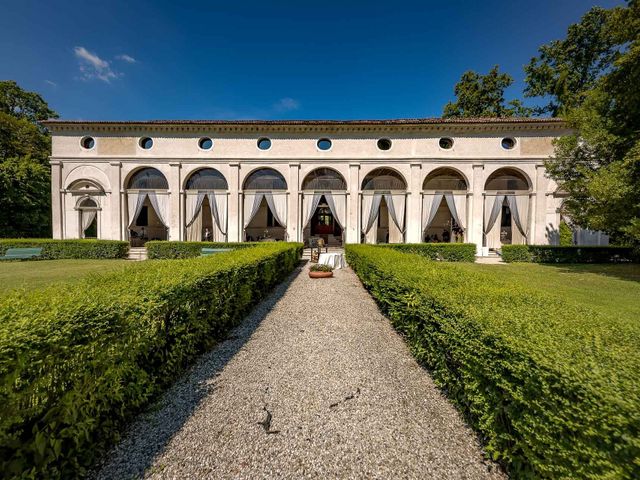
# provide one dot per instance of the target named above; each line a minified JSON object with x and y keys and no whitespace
{"x":314,"y":384}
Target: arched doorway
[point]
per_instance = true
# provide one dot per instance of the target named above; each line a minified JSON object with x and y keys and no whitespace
{"x":506,"y":208}
{"x":147,"y":206}
{"x":324,"y":206}
{"x":444,"y":206}
{"x":383,"y":206}
{"x":88,"y":218}
{"x":265,"y":205}
{"x":206,"y":206}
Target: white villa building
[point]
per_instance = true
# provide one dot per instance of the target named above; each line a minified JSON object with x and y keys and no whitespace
{"x":373,"y":181}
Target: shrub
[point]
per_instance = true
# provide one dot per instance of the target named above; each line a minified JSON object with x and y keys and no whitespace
{"x":550,"y":384}
{"x":566,"y":235}
{"x":159,"y":249}
{"x":573,"y":254}
{"x":66,"y":249}
{"x":450,"y":252}
{"x":75,"y":364}
{"x":321,"y":268}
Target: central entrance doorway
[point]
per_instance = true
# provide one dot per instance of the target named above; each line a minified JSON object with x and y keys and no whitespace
{"x":323,"y":223}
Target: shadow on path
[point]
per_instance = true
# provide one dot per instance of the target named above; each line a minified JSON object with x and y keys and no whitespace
{"x":148,"y":436}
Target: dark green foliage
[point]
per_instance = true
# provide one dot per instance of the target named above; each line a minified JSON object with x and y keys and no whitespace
{"x":550,"y":384}
{"x":480,"y":95}
{"x":76,"y":364}
{"x":450,"y":252}
{"x":321,"y":268}
{"x":161,"y":249}
{"x":25,"y":198}
{"x":65,"y":249}
{"x":566,"y":235}
{"x":570,"y":254}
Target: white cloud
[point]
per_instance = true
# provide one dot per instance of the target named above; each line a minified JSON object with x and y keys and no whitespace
{"x":286,"y":104}
{"x":126,"y":58}
{"x":92,"y":66}
{"x":49,"y":82}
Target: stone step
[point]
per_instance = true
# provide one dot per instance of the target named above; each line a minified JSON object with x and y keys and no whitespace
{"x":138,"y":253}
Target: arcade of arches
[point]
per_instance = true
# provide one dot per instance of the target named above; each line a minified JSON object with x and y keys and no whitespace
{"x":407,"y":189}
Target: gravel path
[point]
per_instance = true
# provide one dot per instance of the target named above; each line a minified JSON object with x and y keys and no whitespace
{"x":314,"y":384}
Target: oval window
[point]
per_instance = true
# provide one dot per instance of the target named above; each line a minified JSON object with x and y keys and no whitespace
{"x":508,"y":143}
{"x":264,"y":144}
{"x":205,"y":143}
{"x":446,"y":143}
{"x":87,"y":142}
{"x":146,"y":143}
{"x":324,"y":144}
{"x":384,"y":144}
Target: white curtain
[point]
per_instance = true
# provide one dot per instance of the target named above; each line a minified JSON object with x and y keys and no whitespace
{"x":252,"y":203}
{"x":218,"y":203}
{"x":310,"y":204}
{"x":160,"y":204}
{"x":492,"y":212}
{"x":430,"y":205}
{"x":370,"y":211}
{"x":194,"y":230}
{"x":396,"y":203}
{"x":193,"y":204}
{"x":278,"y":206}
{"x":338,"y":207}
{"x":519,"y":206}
{"x":135,"y":200}
{"x":86,"y":217}
{"x":458,"y":207}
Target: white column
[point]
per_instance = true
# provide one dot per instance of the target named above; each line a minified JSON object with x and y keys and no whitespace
{"x":57,"y":216}
{"x":116,"y":228}
{"x":234,"y":233}
{"x":353,"y":205}
{"x":292,"y":202}
{"x":477,"y":206}
{"x":539,"y":208}
{"x":413,"y":213}
{"x":175,"y":216}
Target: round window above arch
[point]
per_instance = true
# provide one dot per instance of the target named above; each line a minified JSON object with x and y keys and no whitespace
{"x":205,"y":143}
{"x":146,"y":143}
{"x":87,"y":143}
{"x":384,"y":144}
{"x":324,"y":144}
{"x":264,"y":143}
{"x":446,"y":143}
{"x":508,"y":143}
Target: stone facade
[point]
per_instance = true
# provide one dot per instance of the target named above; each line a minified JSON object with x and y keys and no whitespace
{"x":103,"y":172}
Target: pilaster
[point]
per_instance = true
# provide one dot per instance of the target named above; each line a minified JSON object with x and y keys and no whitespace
{"x":56,"y":199}
{"x":413,"y":213}
{"x":234,"y":232}
{"x":353,"y":202}
{"x":539,"y":206}
{"x":292,"y":202}
{"x":116,"y":227}
{"x":176,"y":230}
{"x":476,"y":222}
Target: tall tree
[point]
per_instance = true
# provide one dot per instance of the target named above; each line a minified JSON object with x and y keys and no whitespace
{"x":25,"y":194}
{"x":483,"y":96}
{"x":599,"y":164}
{"x":565,"y":70}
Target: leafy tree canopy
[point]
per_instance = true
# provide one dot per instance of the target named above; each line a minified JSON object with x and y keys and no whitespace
{"x":483,"y":96}
{"x":19,"y":103}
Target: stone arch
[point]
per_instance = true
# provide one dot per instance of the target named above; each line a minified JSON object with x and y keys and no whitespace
{"x":449,"y":172}
{"x":511,"y":175}
{"x":146,"y":178}
{"x":384,"y":178}
{"x":323,"y":178}
{"x":217,"y":180}
{"x":88,"y":172}
{"x":264,"y":178}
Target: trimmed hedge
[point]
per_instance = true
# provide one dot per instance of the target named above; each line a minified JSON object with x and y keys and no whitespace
{"x":572,"y":254}
{"x":550,"y":384}
{"x":449,"y":252}
{"x":76,"y":364}
{"x":161,"y":249}
{"x":69,"y":249}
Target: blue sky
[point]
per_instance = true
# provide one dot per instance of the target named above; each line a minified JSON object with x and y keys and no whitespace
{"x":141,"y":60}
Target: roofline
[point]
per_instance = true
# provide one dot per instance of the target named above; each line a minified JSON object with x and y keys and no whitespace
{"x":388,"y":122}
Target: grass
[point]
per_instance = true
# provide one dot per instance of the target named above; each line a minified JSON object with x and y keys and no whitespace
{"x":612,"y":289}
{"x":35,"y":274}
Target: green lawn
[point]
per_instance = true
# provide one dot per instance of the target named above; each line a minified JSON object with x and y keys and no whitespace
{"x":612,"y":289}
{"x":39,"y":273}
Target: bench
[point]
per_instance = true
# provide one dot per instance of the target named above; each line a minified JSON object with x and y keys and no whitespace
{"x":212,"y":251}
{"x":21,"y":253}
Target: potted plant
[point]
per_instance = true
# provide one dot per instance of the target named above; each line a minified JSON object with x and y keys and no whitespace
{"x":320,"y":271}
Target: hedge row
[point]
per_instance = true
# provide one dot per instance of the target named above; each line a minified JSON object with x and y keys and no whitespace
{"x":63,"y":249}
{"x":75,"y":364}
{"x":160,"y":249}
{"x":450,"y":252}
{"x":572,"y":254}
{"x":550,"y":384}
